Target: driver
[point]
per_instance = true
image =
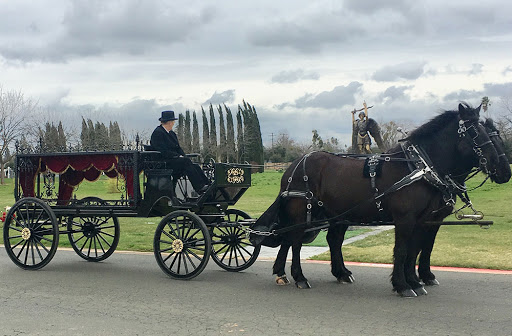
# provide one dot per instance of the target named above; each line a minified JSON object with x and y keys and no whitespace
{"x":166,"y":142}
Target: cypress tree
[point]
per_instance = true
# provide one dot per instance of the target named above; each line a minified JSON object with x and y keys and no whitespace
{"x":91,"y":134}
{"x":222,"y":137}
{"x":252,"y":134}
{"x":230,"y":136}
{"x":258,"y":155}
{"x":114,"y":132}
{"x":84,"y":135}
{"x":196,"y":148}
{"x":187,"y":136}
{"x":180,"y":129}
{"x":61,"y":137}
{"x":213,"y":135}
{"x":206,"y":137}
{"x":240,"y":142}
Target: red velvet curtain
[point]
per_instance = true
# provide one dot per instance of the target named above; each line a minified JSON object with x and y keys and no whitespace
{"x":73,"y":169}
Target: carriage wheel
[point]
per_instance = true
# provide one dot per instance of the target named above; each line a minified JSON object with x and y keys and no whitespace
{"x":93,"y":238}
{"x":182,"y":245}
{"x":31,"y":233}
{"x":231,"y":249}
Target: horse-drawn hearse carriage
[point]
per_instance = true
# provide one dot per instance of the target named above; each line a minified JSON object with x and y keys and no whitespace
{"x":193,"y":228}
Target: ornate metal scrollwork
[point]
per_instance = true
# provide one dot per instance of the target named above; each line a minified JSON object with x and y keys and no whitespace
{"x":235,"y":175}
{"x":49,"y":184}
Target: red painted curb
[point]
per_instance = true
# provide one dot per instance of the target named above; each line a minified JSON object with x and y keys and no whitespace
{"x":436,"y":268}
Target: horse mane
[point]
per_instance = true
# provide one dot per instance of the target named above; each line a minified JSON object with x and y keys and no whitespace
{"x":435,"y":124}
{"x":432,"y":126}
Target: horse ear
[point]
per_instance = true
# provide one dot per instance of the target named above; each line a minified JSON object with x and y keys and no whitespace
{"x":462,"y":109}
{"x":477,"y":110}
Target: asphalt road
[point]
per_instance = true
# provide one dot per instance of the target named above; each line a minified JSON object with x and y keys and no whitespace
{"x":129,"y":295}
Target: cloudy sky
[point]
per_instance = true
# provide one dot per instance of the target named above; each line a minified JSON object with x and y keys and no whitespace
{"x":303,"y":64}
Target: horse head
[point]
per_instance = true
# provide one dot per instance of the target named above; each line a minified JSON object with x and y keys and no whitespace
{"x":475,"y":144}
{"x":503,"y":172}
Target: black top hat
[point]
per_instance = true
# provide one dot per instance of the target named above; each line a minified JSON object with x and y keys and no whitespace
{"x":167,"y":116}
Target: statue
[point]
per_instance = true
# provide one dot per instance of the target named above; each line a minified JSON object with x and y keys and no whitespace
{"x":362,"y":128}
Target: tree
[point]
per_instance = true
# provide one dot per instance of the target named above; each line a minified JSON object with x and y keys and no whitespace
{"x":14,"y":108}
{"x":240,"y":152}
{"x":114,"y":133}
{"x":61,"y":138}
{"x":206,"y":138}
{"x":180,"y":129}
{"x":91,"y":133}
{"x":222,"y":137}
{"x":187,"y":134}
{"x":101,"y":136}
{"x":230,"y":136}
{"x":213,"y":135}
{"x":84,"y":135}
{"x":253,"y":144}
{"x":196,"y":148}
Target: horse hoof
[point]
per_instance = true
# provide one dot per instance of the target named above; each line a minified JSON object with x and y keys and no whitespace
{"x":346,"y":279}
{"x":303,"y":284}
{"x":408,"y":293}
{"x":432,"y":282}
{"x":420,"y":291}
{"x":282,"y":280}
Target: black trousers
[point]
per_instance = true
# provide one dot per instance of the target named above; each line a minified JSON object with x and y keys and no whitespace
{"x":184,"y":166}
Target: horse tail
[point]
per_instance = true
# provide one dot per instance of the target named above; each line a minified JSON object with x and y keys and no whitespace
{"x":265,"y":223}
{"x":374,"y":129}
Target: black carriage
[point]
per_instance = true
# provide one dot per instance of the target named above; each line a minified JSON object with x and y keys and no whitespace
{"x":193,"y":228}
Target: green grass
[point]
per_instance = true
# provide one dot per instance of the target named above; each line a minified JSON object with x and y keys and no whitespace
{"x":467,"y":246}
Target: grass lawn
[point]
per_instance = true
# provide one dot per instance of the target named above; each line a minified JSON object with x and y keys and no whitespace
{"x":467,"y":246}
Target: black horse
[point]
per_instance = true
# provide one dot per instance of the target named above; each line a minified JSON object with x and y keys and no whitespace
{"x":428,"y":235}
{"x":335,"y":189}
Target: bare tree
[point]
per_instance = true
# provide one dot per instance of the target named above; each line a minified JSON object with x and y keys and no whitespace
{"x":14,"y":109}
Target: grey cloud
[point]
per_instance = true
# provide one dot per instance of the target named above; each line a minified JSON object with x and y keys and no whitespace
{"x":293,"y":76}
{"x":407,"y":71}
{"x":498,"y":90}
{"x":368,"y":7}
{"x":464,"y":95}
{"x":506,"y":70}
{"x":98,"y":27}
{"x":337,"y":97}
{"x":224,"y":97}
{"x":475,"y":69}
{"x":393,"y":93}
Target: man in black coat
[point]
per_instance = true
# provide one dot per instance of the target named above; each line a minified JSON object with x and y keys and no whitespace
{"x":166,"y":142}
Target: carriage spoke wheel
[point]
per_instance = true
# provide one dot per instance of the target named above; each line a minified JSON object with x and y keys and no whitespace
{"x":231,"y":249}
{"x":182,"y":245}
{"x":31,"y":233}
{"x":93,"y":238}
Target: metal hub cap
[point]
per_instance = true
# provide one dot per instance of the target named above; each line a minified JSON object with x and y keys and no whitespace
{"x":25,"y":233}
{"x":177,"y":245}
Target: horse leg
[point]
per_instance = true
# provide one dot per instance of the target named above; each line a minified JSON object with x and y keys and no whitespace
{"x":427,"y":244}
{"x":401,"y":277}
{"x":335,"y":236}
{"x":413,"y":246}
{"x":300,"y":280}
{"x":280,"y":263}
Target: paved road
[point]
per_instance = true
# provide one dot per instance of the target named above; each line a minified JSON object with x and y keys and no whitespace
{"x":129,"y":295}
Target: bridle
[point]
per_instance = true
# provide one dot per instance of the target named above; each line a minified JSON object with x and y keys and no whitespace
{"x":473,"y":134}
{"x":496,"y":134}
